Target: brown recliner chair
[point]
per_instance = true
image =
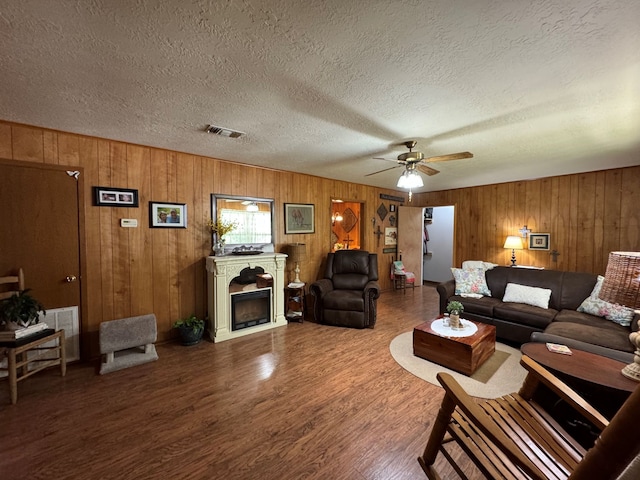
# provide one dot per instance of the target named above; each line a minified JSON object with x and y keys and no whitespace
{"x":346,"y":297}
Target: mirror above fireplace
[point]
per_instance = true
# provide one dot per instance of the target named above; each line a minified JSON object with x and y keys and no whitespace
{"x":254,"y":217}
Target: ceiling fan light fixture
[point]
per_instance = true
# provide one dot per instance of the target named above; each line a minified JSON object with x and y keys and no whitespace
{"x":410,"y":179}
{"x":253,"y":207}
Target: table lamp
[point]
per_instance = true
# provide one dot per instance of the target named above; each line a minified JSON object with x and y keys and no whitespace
{"x":622,"y":286}
{"x":514,"y":243}
{"x":297,"y":253}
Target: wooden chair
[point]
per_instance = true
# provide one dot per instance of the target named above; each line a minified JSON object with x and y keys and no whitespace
{"x":401,"y":278}
{"x":512,"y":437}
{"x":15,"y":283}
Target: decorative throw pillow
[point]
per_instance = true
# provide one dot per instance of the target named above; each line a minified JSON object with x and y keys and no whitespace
{"x":535,"y":296}
{"x":471,"y":281}
{"x":611,"y":311}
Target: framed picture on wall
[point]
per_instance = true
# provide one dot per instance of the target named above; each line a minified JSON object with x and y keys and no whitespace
{"x":390,"y":236}
{"x":167,"y":215}
{"x":538,"y":241}
{"x":299,"y":218}
{"x":115,"y":197}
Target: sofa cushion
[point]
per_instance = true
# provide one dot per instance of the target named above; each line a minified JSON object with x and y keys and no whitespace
{"x":470,"y":281}
{"x":576,"y":286}
{"x":538,"y":297}
{"x":602,"y":335}
{"x":611,"y":311}
{"x":480,"y":306}
{"x":524,"y":314}
{"x":550,"y":279}
{"x":351,"y":300}
{"x":585,"y":319}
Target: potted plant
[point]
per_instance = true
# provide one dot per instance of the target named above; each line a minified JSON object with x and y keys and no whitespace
{"x":455,"y":308}
{"x":191,"y":330}
{"x":220,"y":228}
{"x":20,"y":310}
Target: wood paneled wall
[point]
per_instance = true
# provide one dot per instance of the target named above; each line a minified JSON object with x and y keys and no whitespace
{"x":132,"y":271}
{"x":587,"y":216}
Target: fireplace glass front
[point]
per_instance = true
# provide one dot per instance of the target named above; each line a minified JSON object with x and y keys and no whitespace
{"x":249,"y":309}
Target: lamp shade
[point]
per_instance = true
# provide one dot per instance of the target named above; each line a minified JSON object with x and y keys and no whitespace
{"x":410,"y":179}
{"x":622,"y":279}
{"x":297,"y":251}
{"x":513,"y":242}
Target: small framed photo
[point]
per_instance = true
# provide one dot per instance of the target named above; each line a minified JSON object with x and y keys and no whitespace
{"x":115,"y":197}
{"x":392,"y":208}
{"x":167,"y":215}
{"x":538,"y":241}
{"x":299,"y":218}
{"x":390,"y":236}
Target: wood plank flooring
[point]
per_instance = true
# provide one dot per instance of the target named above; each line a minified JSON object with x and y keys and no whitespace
{"x":305,"y":401}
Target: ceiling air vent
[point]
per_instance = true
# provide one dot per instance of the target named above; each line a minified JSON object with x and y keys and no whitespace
{"x":225,"y":132}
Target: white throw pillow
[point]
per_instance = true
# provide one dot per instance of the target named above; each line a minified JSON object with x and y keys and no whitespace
{"x":535,"y":296}
{"x":611,"y":311}
{"x":471,"y":281}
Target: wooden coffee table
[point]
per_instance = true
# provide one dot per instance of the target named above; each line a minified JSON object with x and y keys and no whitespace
{"x":462,"y":354}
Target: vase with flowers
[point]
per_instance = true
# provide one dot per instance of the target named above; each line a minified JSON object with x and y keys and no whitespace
{"x":220,"y":228}
{"x":455,"y":308}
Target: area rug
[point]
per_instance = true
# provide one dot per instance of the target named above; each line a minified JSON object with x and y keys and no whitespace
{"x":498,"y":376}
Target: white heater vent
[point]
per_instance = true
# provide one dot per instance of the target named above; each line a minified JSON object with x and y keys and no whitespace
{"x":223,"y":131}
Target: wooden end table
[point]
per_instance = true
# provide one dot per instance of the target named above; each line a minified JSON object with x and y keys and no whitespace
{"x":462,"y":354}
{"x":599,"y":379}
{"x":19,"y":360}
{"x":596,"y":378}
{"x":295,"y":303}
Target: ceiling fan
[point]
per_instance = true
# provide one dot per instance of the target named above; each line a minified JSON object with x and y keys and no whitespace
{"x":416,"y":160}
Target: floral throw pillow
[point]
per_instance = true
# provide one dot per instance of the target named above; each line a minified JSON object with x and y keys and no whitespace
{"x":611,"y":311}
{"x":471,"y":281}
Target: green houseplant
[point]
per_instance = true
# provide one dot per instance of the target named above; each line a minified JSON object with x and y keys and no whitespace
{"x":20,"y":310}
{"x":191,"y":330}
{"x":455,"y":308}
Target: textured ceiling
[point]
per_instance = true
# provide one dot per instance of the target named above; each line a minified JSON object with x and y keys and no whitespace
{"x":532,"y":88}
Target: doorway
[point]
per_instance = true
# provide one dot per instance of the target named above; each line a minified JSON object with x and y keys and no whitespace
{"x":438,"y":243}
{"x":41,"y":231}
{"x":346,"y":227}
{"x":426,"y":241}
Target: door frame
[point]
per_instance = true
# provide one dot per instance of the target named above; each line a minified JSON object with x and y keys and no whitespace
{"x":82,"y":253}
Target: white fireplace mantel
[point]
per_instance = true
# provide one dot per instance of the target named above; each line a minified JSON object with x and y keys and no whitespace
{"x":220,"y":271}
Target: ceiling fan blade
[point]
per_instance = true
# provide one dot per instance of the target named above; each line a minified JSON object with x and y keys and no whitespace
{"x":380,"y":171}
{"x":451,"y":156}
{"x":427,"y":170}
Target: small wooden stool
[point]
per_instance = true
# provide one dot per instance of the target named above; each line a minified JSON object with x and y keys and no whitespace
{"x":18,"y":357}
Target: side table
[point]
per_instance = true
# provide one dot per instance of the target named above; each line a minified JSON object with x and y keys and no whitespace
{"x":294,"y":302}
{"x":18,"y":359}
{"x":598,"y":379}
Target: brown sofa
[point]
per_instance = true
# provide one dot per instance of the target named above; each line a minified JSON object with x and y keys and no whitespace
{"x":560,"y":323}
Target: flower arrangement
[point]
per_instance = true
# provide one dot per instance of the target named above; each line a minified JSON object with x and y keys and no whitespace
{"x":220,"y":227}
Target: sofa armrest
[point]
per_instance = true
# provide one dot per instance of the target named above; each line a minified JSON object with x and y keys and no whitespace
{"x":445,"y":291}
{"x":541,"y":337}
